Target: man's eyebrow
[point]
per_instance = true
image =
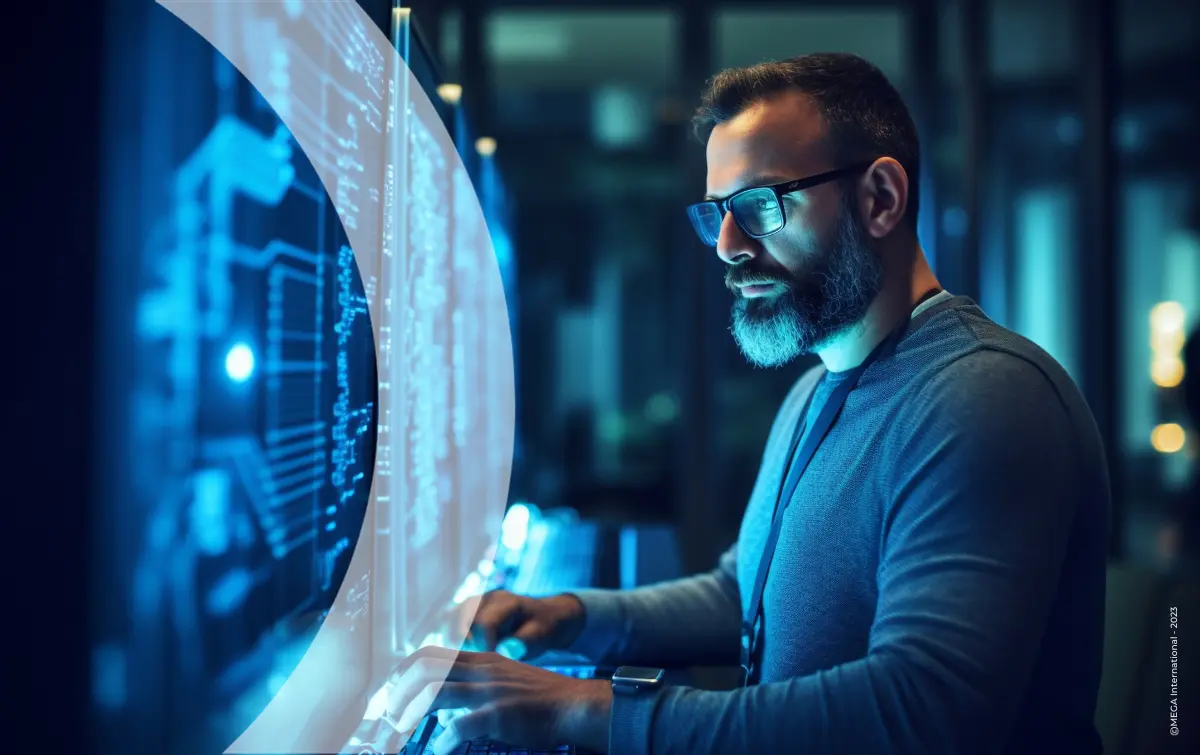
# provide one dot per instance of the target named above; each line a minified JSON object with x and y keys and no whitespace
{"x":754,"y":182}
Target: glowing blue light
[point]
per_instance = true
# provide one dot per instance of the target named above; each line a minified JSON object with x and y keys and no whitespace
{"x":239,"y":363}
{"x":230,"y":592}
{"x":515,"y":529}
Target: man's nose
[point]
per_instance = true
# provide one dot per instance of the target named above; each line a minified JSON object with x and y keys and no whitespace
{"x":733,"y":246}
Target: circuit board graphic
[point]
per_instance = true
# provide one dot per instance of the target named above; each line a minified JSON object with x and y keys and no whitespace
{"x":282,"y":409}
{"x":247,"y":403}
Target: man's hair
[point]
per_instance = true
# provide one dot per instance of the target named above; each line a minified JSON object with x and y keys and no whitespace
{"x":864,"y":115}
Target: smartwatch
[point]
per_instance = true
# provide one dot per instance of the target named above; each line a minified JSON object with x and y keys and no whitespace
{"x":633,"y":680}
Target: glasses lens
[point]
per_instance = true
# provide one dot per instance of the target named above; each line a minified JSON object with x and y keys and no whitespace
{"x":706,"y":220}
{"x":757,"y":212}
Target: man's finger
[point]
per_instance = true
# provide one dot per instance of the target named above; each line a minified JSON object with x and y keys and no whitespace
{"x":478,"y":723}
{"x":529,"y":641}
{"x":475,"y":640}
{"x":416,"y":708}
{"x":440,"y":696}
{"x":401,"y":697}
{"x":459,"y":665}
{"x":411,"y":678}
{"x":461,"y":616}
{"x":428,"y":666}
{"x":427,"y":652}
{"x":497,"y":612}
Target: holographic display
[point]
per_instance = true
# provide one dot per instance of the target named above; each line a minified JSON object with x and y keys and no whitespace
{"x":243,"y":402}
{"x":266,"y":386}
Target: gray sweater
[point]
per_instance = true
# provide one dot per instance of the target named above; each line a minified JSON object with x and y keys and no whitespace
{"x":938,"y":586}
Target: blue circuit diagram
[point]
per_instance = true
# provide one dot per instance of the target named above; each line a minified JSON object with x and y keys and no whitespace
{"x":247,"y":396}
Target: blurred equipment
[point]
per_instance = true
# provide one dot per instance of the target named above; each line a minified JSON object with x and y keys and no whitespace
{"x":554,"y":551}
{"x":558,"y":554}
{"x":649,"y":554}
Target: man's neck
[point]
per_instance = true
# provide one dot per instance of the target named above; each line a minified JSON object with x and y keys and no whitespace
{"x":901,"y":291}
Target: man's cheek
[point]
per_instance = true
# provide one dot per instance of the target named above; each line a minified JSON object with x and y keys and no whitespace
{"x":787,"y":258}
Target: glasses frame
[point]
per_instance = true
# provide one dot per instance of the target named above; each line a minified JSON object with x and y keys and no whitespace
{"x":780,"y":189}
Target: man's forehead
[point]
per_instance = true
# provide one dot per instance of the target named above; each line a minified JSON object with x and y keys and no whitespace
{"x":777,"y":138}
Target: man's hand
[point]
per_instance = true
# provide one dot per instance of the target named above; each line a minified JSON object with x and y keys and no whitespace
{"x":503,"y":699}
{"x":520,"y":627}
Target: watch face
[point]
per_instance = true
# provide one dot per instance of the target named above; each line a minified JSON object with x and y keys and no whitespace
{"x":638,"y":675}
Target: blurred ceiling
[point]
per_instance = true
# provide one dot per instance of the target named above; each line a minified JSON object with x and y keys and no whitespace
{"x":572,"y":49}
{"x":547,"y":48}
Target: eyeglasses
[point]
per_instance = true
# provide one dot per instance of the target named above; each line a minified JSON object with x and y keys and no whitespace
{"x":758,"y":210}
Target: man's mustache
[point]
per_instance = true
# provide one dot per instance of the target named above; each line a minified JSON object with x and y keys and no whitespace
{"x":736,"y":278}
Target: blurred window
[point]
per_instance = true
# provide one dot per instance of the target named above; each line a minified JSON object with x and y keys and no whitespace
{"x":1159,"y":264}
{"x":563,"y":49}
{"x":745,"y":37}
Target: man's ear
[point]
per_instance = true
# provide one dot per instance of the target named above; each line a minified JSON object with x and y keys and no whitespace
{"x":883,"y":196}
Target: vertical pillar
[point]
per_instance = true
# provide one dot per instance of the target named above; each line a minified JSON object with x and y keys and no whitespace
{"x":427,"y":18}
{"x":924,"y":92}
{"x":697,"y":510}
{"x":477,"y":94}
{"x":1099,"y":231}
{"x":974,"y":120}
{"x":432,"y":24}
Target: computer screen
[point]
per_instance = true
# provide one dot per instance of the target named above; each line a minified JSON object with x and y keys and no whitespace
{"x":238,"y":393}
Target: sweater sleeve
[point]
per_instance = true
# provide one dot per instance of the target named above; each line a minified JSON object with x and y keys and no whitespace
{"x":690,"y":621}
{"x":984,"y":484}
{"x":644,"y":625}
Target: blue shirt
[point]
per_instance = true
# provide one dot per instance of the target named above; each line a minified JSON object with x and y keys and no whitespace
{"x":938,"y":586}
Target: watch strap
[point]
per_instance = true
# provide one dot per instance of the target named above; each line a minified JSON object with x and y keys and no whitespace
{"x":629,"y":724}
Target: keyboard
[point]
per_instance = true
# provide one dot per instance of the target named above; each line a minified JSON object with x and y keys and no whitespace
{"x":429,"y":730}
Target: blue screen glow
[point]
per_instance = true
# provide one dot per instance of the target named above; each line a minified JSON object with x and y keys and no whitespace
{"x":239,"y":363}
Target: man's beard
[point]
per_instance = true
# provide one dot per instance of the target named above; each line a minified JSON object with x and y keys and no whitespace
{"x":829,"y":295}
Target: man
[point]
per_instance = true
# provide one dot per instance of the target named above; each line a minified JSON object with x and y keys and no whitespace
{"x":937,"y":585}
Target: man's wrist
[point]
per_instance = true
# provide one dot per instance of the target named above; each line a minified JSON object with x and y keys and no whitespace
{"x":587,"y":721}
{"x":573,"y":617}
{"x":604,"y":626}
